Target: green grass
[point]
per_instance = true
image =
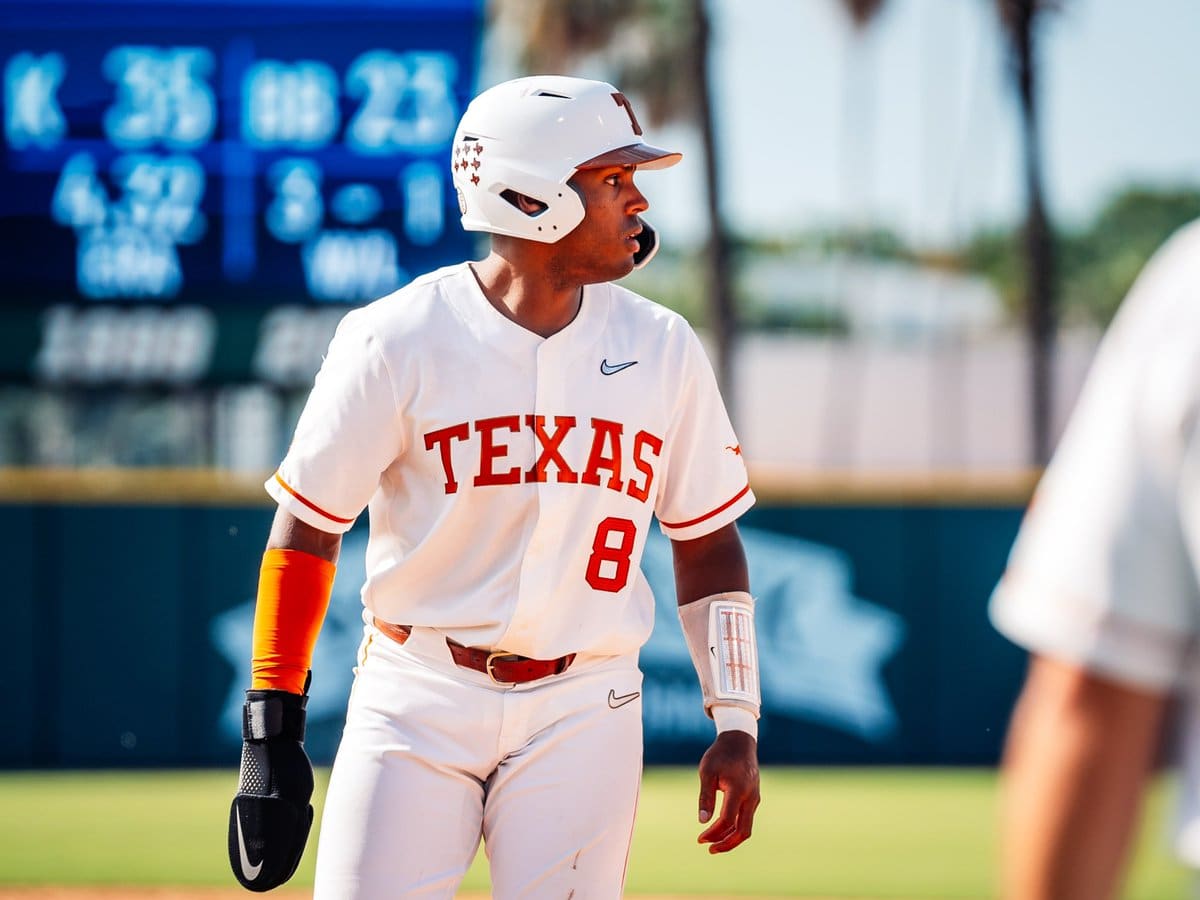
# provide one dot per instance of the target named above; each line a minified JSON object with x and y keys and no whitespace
{"x":879,"y":833}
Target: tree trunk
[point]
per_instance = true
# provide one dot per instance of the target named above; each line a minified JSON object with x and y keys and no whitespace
{"x":1040,"y":318}
{"x":722,"y":319}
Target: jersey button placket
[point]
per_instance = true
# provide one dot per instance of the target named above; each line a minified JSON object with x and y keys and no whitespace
{"x":529,"y":596}
{"x":545,"y":404}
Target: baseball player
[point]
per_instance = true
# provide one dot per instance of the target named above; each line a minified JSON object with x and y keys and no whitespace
{"x":1102,"y":587}
{"x":512,"y":424}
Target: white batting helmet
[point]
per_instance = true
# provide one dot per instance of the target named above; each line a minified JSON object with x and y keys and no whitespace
{"x":530,"y":135}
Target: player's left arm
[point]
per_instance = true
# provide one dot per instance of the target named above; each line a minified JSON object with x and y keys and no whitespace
{"x":710,"y":570}
{"x":1081,"y":748}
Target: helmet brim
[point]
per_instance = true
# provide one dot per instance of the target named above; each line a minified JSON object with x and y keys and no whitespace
{"x":641,"y":155}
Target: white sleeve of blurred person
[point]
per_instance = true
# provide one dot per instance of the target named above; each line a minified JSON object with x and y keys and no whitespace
{"x":1101,"y":587}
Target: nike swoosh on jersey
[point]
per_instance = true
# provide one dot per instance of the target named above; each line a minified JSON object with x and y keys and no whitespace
{"x":251,"y":872}
{"x":606,"y":369}
{"x":617,"y":702}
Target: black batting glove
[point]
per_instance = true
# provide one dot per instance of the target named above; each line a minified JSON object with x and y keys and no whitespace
{"x":271,"y":814}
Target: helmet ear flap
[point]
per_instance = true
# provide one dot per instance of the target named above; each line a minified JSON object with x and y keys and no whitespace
{"x":490,"y":206}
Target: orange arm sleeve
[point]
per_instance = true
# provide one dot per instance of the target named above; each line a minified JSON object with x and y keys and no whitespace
{"x":293,"y":596}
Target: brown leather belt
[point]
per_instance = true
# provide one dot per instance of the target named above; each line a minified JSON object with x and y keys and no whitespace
{"x":502,"y":668}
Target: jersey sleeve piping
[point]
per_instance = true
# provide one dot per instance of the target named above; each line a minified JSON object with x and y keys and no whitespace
{"x":708,"y":515}
{"x":308,"y":503}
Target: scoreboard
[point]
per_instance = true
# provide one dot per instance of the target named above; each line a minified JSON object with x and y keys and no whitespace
{"x":182,"y":180}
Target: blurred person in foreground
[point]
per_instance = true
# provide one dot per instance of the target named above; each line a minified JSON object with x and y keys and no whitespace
{"x":1102,"y":588}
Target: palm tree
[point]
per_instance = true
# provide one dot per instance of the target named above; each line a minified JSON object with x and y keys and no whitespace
{"x":858,"y":117}
{"x":645,"y":45}
{"x":1020,"y":20}
{"x":862,"y":11}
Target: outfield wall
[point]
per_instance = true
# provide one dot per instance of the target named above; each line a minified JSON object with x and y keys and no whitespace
{"x":130,"y":601}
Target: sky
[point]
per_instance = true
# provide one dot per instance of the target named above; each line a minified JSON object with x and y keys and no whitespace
{"x":912,"y":123}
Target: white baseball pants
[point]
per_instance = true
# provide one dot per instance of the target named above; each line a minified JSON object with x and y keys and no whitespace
{"x":435,"y":756}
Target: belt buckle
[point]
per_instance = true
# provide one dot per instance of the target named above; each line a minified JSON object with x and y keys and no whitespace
{"x":492,"y":657}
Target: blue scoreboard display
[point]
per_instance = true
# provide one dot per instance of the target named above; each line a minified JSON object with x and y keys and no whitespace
{"x":170,"y":161}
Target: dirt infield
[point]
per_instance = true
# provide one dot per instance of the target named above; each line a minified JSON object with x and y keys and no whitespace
{"x":166,"y":893}
{"x":125,"y":893}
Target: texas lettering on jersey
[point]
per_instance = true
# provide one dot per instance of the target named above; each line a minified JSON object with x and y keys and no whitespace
{"x":607,"y":453}
{"x":548,"y":469}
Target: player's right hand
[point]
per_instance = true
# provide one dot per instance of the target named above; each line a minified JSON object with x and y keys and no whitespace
{"x":271,"y":814}
{"x":731,"y":767}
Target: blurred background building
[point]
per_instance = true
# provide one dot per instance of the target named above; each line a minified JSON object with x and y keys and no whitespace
{"x":900,"y":225}
{"x":879,"y":241}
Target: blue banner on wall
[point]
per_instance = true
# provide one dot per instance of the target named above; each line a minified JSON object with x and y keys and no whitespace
{"x":873,"y":634}
{"x":822,"y":650}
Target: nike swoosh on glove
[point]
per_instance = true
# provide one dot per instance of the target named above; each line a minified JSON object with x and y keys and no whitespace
{"x":271,"y":815}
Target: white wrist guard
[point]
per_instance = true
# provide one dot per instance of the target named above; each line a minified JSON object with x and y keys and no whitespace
{"x":719,"y":631}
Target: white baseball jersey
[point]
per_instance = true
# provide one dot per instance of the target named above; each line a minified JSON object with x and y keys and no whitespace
{"x":511,"y":478}
{"x":1106,"y":567}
